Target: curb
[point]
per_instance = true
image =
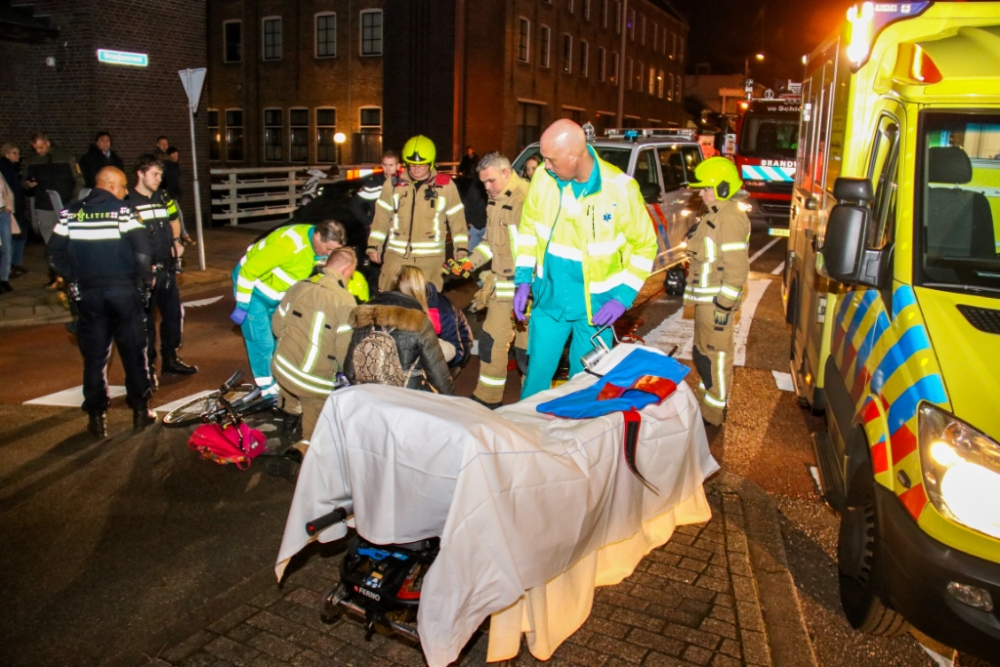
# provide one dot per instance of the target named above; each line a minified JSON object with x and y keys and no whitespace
{"x":787,"y":633}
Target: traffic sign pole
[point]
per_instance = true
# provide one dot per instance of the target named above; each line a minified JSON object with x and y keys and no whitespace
{"x":193,"y":80}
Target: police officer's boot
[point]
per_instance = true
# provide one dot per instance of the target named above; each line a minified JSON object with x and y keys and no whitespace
{"x":174,"y":365}
{"x":142,"y":417}
{"x":97,"y":425}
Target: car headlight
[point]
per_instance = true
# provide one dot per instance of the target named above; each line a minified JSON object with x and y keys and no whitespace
{"x":746,"y":208}
{"x":961,"y":468}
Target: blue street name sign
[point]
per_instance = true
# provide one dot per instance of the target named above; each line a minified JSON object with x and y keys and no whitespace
{"x":122,"y":58}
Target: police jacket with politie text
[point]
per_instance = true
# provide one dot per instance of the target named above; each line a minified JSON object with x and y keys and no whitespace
{"x":99,"y":242}
{"x":413,"y":218}
{"x":158,"y":213}
{"x":718,"y":247}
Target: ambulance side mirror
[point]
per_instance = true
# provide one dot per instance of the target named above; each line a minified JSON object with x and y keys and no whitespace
{"x":845,"y":257}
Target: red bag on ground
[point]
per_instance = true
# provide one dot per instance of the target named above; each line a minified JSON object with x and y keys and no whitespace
{"x":238,"y":445}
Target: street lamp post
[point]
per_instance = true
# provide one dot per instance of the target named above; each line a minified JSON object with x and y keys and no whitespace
{"x":339,"y":139}
{"x":759,"y":57}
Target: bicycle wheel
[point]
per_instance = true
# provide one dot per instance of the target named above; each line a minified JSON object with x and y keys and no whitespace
{"x":197,"y":409}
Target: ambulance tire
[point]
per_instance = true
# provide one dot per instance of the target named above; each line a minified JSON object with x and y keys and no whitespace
{"x":858,"y":563}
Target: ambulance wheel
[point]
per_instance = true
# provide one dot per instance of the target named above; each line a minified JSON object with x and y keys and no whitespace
{"x":859,"y":563}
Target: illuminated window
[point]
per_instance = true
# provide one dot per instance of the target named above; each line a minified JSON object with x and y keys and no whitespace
{"x":215,"y":137}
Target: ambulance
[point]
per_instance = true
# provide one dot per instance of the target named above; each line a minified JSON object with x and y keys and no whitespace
{"x":767,"y":134}
{"x":892,"y":289}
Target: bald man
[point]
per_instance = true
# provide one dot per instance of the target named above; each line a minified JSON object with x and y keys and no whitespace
{"x":100,"y":247}
{"x":585,"y":247}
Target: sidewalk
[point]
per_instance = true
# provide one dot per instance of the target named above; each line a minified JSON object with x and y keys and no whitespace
{"x":716,"y":594}
{"x":30,"y":303}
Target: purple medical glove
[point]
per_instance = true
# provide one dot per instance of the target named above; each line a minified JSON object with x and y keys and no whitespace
{"x":609,"y":313}
{"x":521,"y":301}
{"x":238,"y":316}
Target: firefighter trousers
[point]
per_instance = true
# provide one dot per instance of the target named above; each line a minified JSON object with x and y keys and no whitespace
{"x":392,"y":262}
{"x":713,"y":359}
{"x":494,"y":347}
{"x":310,"y":404}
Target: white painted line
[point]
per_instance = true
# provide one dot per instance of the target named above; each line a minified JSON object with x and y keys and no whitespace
{"x":72,"y":398}
{"x":763,"y":250}
{"x":938,"y":659}
{"x":201,"y":302}
{"x":783,"y":380}
{"x":181,"y":401}
{"x":778,"y":269}
{"x":754,"y":291}
{"x":814,"y":472}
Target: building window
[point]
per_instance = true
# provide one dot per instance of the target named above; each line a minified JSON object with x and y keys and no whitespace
{"x":569,"y":6}
{"x":567,"y":53}
{"x":326,"y":128}
{"x":673,"y":47}
{"x":656,"y":38}
{"x":529,"y":124}
{"x":640,"y":72}
{"x":652,"y":80}
{"x":543,"y":46}
{"x":618,"y":17}
{"x":602,"y":64}
{"x":629,"y":71}
{"x":584,"y":57}
{"x":524,"y":40}
{"x":614,"y":68}
{"x":371,"y":32}
{"x":234,"y":135}
{"x":271,"y":36}
{"x":232,"y":39}
{"x":273,"y":133}
{"x":680,"y":51}
{"x":371,"y":119}
{"x":586,"y":10}
{"x":214,"y":136}
{"x":298,"y":135}
{"x":659,"y":85}
{"x":631,"y":24}
{"x":677,"y":88}
{"x":326,"y":35}
{"x":604,"y":14}
{"x":643,"y":30}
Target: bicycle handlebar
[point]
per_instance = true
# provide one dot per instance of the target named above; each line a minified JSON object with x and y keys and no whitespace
{"x":231,"y":382}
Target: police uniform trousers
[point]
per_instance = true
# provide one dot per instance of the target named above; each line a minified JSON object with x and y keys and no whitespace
{"x":392,"y":262}
{"x":494,"y":347}
{"x":166,"y":298}
{"x":713,"y":359}
{"x":106,"y":315}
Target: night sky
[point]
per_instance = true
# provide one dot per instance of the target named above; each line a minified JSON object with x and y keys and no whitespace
{"x":723,"y":32}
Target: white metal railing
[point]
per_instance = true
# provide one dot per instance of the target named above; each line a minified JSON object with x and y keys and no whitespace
{"x":238,"y":194}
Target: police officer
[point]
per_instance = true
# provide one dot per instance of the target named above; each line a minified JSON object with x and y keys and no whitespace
{"x":100,"y":247}
{"x":507,"y":192}
{"x":158,"y":213}
{"x":408,"y":228}
{"x":718,"y":247}
{"x":364,"y":202}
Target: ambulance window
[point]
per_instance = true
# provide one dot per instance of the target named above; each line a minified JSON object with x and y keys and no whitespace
{"x":884,"y":204}
{"x":647,"y":171}
{"x":692,"y":158}
{"x":672,"y":163}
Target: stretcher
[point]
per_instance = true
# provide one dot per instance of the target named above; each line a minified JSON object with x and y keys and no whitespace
{"x":532,"y":511}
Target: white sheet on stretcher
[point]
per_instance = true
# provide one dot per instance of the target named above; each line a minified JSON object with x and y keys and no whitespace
{"x":517,"y":497}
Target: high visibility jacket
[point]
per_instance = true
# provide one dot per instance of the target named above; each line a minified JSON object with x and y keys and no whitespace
{"x":499,"y":245}
{"x":275,"y":263}
{"x":409,"y":217}
{"x":718,"y":247}
{"x":608,"y":233}
{"x":311,"y":325}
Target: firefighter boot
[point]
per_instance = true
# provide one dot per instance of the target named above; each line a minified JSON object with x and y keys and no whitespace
{"x":174,"y":365}
{"x":97,"y":425}
{"x":142,"y":417}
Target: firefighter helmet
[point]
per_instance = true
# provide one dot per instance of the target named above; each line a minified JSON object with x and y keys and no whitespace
{"x":419,"y":150}
{"x":720,"y":174}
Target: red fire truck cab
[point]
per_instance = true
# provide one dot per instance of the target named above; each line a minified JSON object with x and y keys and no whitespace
{"x":766,"y":144}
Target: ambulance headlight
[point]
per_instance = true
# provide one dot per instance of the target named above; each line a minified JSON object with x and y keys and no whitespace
{"x":961,"y":469}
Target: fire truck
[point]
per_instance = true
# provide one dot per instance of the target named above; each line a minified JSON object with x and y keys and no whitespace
{"x":766,"y":144}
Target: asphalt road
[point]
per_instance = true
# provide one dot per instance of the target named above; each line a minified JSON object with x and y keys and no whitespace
{"x":113,"y":549}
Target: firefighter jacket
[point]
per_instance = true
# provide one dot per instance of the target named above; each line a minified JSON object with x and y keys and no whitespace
{"x":275,"y":263}
{"x":718,"y":247}
{"x":158,"y":213}
{"x":410,"y":217}
{"x":605,"y":234}
{"x":499,"y":246}
{"x":311,"y":326}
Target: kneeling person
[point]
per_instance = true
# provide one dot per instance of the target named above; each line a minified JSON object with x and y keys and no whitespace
{"x":311,"y":327}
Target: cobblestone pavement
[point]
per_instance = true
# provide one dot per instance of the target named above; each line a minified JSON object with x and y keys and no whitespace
{"x":694,"y":601}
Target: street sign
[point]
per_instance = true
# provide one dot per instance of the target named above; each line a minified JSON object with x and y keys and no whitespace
{"x":193,"y":80}
{"x":122,"y":58}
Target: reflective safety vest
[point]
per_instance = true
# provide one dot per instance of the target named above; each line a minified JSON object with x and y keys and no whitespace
{"x":158,"y":213}
{"x":718,"y":247}
{"x":311,"y":325}
{"x":608,"y":232}
{"x":499,"y":245}
{"x":275,"y":263}
{"x":409,"y":217}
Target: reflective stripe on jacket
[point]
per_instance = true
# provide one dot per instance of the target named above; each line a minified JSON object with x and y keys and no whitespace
{"x":499,"y":246}
{"x":718,"y":248}
{"x":275,"y":263}
{"x":409,"y":216}
{"x":608,"y":232}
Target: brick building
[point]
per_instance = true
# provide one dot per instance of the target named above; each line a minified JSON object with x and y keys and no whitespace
{"x":285,"y":77}
{"x":53,"y":82}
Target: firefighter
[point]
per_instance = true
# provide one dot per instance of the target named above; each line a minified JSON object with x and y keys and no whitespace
{"x":102,"y":250}
{"x":412,"y":209}
{"x":271,"y":266}
{"x":586,"y":246}
{"x":718,"y":246}
{"x":158,"y":213}
{"x":507,"y":192}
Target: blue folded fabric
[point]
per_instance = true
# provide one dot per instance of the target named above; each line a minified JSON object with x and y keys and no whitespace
{"x":640,"y":379}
